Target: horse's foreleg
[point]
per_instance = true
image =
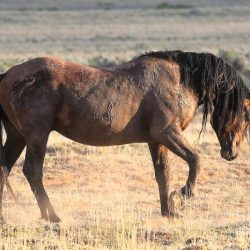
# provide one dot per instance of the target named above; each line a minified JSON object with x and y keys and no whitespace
{"x":33,"y":170}
{"x":173,"y":139}
{"x":162,"y":172}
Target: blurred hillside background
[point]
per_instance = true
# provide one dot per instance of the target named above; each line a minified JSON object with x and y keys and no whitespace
{"x":107,"y":32}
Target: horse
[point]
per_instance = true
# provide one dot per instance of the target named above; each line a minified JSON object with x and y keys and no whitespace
{"x":150,"y":99}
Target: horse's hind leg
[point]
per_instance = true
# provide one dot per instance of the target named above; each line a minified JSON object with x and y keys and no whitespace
{"x":173,"y":139}
{"x":13,"y":148}
{"x":33,"y":170}
{"x":162,"y":174}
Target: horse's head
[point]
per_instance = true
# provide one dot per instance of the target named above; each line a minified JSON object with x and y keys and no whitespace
{"x":231,"y":136}
{"x":222,"y":93}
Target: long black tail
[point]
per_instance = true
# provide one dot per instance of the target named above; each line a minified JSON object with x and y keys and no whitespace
{"x":4,"y":172}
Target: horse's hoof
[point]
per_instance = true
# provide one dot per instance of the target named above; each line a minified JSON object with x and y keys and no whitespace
{"x":54,"y":218}
{"x":187,"y":192}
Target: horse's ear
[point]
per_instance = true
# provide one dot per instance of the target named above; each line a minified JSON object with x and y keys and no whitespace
{"x":246,"y":105}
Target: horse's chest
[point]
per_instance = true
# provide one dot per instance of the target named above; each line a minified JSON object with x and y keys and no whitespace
{"x":188,"y":106}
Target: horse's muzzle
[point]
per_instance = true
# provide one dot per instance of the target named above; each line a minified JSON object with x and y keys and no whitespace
{"x":228,"y":155}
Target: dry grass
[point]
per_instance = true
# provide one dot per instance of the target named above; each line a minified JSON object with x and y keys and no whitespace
{"x":108,"y":199}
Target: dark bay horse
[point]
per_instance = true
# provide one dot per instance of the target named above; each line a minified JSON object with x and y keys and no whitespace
{"x":150,"y":99}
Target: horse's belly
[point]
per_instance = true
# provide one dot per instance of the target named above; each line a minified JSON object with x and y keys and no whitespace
{"x":102,"y":133}
{"x":102,"y":137}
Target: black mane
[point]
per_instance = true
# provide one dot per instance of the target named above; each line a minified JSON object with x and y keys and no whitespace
{"x":220,"y":88}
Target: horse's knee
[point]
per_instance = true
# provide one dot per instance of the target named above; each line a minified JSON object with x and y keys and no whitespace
{"x":194,"y":161}
{"x":161,"y":169}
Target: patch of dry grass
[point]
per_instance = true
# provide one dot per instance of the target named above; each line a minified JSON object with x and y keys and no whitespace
{"x":107,"y":198}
